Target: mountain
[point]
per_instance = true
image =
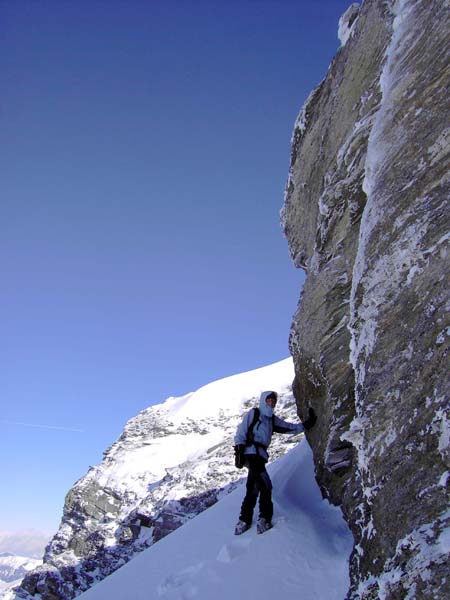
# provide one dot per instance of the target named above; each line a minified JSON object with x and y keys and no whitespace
{"x":14,"y":568}
{"x":171,"y":462}
{"x":366,"y":215}
{"x":305,"y":555}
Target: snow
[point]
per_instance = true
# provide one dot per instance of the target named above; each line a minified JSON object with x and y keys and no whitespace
{"x":444,"y":479}
{"x":203,"y":559}
{"x":133,"y":469}
{"x":230,"y":393}
{"x":374,"y":277}
{"x":444,"y":434}
{"x":153,"y":461}
{"x":427,"y":544}
{"x":347,"y":22}
{"x":362,"y":341}
{"x":441,"y":147}
{"x":444,"y":541}
{"x":13,"y":568}
{"x":301,"y":121}
{"x":167,"y":457}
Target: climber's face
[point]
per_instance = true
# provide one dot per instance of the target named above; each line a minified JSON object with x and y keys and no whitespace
{"x":271,"y":401}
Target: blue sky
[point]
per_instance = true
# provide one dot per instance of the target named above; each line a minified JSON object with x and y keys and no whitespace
{"x":145,"y":149}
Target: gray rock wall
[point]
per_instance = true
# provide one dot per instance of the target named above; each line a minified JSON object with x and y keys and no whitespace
{"x":366,"y":215}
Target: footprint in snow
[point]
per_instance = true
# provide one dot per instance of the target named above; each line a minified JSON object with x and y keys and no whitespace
{"x":230,"y":552}
{"x":180,"y":586}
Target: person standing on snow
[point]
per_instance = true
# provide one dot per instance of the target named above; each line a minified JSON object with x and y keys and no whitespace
{"x":252,"y":439}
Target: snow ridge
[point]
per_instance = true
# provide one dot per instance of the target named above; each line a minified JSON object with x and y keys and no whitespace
{"x":204,"y":560}
{"x":13,"y":568}
{"x":171,"y":462}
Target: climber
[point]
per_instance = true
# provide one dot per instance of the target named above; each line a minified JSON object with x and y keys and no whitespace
{"x":252,"y":439}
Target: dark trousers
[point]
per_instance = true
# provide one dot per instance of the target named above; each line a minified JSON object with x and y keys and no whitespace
{"x":258,"y":483}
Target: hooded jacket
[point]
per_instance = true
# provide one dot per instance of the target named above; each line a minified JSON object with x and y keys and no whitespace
{"x":263,"y":429}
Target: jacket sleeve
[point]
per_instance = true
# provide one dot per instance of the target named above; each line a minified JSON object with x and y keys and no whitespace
{"x":280,"y":426}
{"x":242,"y":430}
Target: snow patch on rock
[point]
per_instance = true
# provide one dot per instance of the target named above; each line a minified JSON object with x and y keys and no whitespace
{"x":347,"y":23}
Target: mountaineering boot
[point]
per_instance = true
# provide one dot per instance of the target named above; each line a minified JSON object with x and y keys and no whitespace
{"x":241,"y":527}
{"x":263,"y":525}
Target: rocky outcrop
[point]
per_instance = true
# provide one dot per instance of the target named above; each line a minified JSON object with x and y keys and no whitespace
{"x":366,"y":215}
{"x":171,"y":462}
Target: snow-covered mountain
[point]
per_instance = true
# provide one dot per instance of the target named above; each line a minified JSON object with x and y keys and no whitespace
{"x":366,"y":215}
{"x":171,"y":462}
{"x":304,"y":556}
{"x":14,"y":568}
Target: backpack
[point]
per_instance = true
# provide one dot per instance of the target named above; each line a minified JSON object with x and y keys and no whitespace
{"x":239,"y":459}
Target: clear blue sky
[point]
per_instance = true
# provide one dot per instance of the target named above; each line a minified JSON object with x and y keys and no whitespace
{"x":145,"y":149}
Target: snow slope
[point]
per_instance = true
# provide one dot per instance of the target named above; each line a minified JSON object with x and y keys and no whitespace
{"x":305,"y":554}
{"x":13,"y":568}
{"x":171,"y":462}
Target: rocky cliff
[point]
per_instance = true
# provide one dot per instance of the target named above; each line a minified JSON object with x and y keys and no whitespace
{"x":366,"y":215}
{"x":172,"y":461}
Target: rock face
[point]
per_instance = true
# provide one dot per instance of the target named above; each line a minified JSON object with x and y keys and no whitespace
{"x":366,"y":215}
{"x":172,"y":461}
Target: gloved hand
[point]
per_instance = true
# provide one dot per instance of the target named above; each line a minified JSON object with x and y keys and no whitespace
{"x":311,"y":420}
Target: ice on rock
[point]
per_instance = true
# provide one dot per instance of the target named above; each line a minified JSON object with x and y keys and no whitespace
{"x":347,"y":22}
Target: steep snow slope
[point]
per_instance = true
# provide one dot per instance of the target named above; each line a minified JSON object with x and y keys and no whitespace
{"x":305,"y":554}
{"x":172,"y":461}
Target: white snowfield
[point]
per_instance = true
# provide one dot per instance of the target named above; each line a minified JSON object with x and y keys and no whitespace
{"x":304,"y":556}
{"x":13,"y":568}
{"x":215,"y":407}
